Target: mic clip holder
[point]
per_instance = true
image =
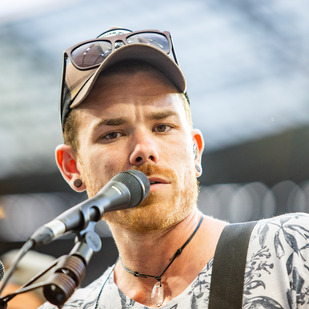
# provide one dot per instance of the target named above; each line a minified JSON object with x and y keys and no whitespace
{"x":70,"y":270}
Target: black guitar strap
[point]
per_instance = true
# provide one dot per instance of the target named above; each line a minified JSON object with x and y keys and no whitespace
{"x":227,"y":279}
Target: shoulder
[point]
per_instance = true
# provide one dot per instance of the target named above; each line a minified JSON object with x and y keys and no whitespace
{"x":285,"y":232}
{"x":288,"y":219}
{"x":293,"y":227}
{"x":283,"y":241}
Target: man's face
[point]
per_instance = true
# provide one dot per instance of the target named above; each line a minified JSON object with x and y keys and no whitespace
{"x":138,"y":122}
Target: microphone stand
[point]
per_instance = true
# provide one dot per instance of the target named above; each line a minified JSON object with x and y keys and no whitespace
{"x":69,"y":270}
{"x":72,"y":268}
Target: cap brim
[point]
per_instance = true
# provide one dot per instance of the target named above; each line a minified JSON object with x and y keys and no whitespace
{"x":146,"y":53}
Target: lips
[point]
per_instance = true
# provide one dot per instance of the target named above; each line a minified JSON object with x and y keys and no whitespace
{"x":157,"y":180}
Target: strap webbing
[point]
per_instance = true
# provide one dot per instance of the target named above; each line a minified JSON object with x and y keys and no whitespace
{"x":227,"y":280}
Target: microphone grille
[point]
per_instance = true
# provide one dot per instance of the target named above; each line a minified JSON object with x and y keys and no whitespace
{"x":137,"y":183}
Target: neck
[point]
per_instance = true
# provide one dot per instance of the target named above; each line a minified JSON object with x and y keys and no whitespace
{"x":135,"y":248}
{"x":149,"y":253}
{"x":171,"y":260}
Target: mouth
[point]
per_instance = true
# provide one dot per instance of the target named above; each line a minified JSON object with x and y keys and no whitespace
{"x":157,"y":181}
{"x":154,"y":182}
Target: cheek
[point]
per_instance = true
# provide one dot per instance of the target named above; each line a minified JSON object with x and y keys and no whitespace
{"x":180,"y":158}
{"x":184,"y":152}
{"x":95,"y":166}
{"x":102,"y":168}
{"x":101,"y":164}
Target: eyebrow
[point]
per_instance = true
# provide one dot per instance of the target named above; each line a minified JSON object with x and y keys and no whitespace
{"x":112,"y":122}
{"x":121,"y":120}
{"x":161,"y":115}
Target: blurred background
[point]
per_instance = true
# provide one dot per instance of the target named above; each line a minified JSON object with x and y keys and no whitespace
{"x":247,"y":68}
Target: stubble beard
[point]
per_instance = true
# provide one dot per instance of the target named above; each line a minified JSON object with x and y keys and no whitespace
{"x":160,"y":210}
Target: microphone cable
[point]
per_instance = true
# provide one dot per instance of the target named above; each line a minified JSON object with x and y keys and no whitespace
{"x":21,"y":253}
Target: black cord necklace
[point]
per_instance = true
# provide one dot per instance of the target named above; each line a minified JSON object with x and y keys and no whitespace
{"x":157,"y":294}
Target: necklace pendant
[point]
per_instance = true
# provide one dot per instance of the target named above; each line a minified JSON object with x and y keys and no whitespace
{"x":157,"y":295}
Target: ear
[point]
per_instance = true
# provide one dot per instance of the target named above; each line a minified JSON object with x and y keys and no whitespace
{"x":67,"y":163}
{"x":198,"y":141}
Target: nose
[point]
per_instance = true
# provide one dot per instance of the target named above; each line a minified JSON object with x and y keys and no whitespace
{"x":145,"y":150}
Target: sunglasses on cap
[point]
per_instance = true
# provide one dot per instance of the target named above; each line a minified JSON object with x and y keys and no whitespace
{"x":84,"y":61}
{"x":90,"y":54}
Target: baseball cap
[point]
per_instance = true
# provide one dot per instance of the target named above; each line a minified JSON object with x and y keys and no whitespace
{"x":85,"y":61}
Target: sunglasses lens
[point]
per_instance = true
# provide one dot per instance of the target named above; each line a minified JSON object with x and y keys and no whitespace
{"x":91,"y":54}
{"x":154,"y":39}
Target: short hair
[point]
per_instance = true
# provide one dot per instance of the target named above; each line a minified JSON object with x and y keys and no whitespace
{"x":70,"y":128}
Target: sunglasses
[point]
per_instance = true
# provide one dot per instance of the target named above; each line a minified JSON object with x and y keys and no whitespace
{"x":90,"y":54}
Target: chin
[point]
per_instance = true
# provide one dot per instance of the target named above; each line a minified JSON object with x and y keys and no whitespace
{"x":149,"y":216}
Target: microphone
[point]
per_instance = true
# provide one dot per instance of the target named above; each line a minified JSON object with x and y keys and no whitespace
{"x":125,"y":190}
{"x":1,"y":271}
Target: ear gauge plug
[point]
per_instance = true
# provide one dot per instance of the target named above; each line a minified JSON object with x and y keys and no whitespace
{"x":78,"y":183}
{"x":198,"y":169}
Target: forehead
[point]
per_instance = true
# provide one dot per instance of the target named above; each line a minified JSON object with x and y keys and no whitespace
{"x":144,"y":86}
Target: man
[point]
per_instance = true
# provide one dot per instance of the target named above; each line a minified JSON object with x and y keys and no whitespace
{"x":124,"y":106}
